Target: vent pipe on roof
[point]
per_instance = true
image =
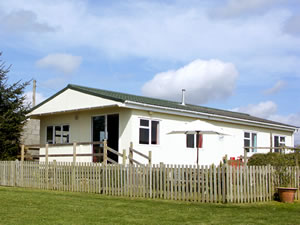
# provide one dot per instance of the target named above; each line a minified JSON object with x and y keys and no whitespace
{"x":183,"y":97}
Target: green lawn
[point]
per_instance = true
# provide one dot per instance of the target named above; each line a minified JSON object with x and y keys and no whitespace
{"x":29,"y":206}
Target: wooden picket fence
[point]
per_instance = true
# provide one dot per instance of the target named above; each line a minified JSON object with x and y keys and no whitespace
{"x":175,"y":182}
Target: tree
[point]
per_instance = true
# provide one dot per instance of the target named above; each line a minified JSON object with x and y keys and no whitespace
{"x":12,"y":114}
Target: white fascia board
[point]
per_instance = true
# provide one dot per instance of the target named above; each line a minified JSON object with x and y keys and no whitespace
{"x":214,"y":117}
{"x":75,"y":110}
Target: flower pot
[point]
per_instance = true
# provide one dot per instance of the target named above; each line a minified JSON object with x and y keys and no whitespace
{"x":287,"y":194}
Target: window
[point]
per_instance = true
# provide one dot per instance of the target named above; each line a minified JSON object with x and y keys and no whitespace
{"x":65,"y":134}
{"x":190,"y":140}
{"x":278,"y":142}
{"x":49,"y":135}
{"x":149,"y":132}
{"x":250,"y":140}
{"x":58,"y":134}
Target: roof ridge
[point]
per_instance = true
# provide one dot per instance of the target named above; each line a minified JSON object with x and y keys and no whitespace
{"x":157,"y":99}
{"x":117,"y":92}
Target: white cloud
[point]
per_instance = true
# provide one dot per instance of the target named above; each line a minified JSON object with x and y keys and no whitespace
{"x":276,"y":88}
{"x":155,"y":30}
{"x":268,"y":110}
{"x":24,"y":21}
{"x":162,"y":32}
{"x":262,"y":109}
{"x":293,"y":119}
{"x":65,"y":63}
{"x":292,"y":25}
{"x":233,"y":8}
{"x":39,"y":97}
{"x":203,"y":80}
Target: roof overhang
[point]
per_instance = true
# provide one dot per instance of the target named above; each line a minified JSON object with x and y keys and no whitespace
{"x":207,"y":116}
{"x":34,"y":116}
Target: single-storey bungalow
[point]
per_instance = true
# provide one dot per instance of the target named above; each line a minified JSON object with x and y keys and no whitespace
{"x":83,"y":114}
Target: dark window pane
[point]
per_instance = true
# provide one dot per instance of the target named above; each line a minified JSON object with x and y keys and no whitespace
{"x":276,"y":141}
{"x":190,"y":140}
{"x":98,"y":128}
{"x":66,"y":134}
{"x":247,"y":144}
{"x":66,"y":128}
{"x":144,"y":136}
{"x":282,"y":139}
{"x":50,"y":135}
{"x":57,"y":134}
{"x":247,"y":135}
{"x":144,"y":123}
{"x":154,"y":132}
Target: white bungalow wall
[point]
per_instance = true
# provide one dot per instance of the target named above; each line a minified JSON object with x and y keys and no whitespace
{"x":81,"y":131}
{"x":172,"y":147}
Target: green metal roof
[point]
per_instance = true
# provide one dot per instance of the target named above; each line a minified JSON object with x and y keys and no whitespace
{"x":122,"y":97}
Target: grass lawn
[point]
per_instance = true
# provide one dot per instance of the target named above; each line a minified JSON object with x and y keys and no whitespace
{"x":30,"y":206}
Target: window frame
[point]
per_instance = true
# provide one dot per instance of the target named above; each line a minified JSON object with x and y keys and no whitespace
{"x":250,"y":150}
{"x":279,"y":142}
{"x":150,"y":131}
{"x":61,"y":135}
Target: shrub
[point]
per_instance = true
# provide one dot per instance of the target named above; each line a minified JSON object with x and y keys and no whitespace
{"x":273,"y":159}
{"x":281,"y":163}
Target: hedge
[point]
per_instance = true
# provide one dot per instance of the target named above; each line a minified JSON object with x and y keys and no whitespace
{"x":273,"y":159}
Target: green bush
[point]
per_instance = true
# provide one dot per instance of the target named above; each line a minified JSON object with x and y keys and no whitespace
{"x":281,"y":163}
{"x":273,"y":159}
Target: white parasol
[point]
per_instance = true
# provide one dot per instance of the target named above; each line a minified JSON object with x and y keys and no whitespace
{"x":199,"y":127}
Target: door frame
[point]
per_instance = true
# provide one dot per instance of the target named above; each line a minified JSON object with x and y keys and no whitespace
{"x":105,"y":116}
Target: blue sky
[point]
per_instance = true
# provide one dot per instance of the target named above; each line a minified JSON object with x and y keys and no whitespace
{"x":234,"y":54}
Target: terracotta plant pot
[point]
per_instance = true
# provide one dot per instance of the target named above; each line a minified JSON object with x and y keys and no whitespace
{"x":287,"y":194}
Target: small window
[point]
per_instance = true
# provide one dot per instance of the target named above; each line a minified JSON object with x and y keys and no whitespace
{"x":278,"y":142}
{"x":250,"y":140}
{"x":58,"y":134}
{"x":192,"y":142}
{"x":149,"y":132}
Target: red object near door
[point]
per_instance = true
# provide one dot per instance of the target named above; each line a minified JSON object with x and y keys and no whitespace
{"x":200,"y":140}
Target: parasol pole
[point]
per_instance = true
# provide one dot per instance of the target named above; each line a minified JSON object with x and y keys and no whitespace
{"x":197,"y":146}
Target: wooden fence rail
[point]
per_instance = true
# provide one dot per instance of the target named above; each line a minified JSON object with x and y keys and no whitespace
{"x":106,"y":150}
{"x":175,"y":182}
{"x":132,"y":150}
